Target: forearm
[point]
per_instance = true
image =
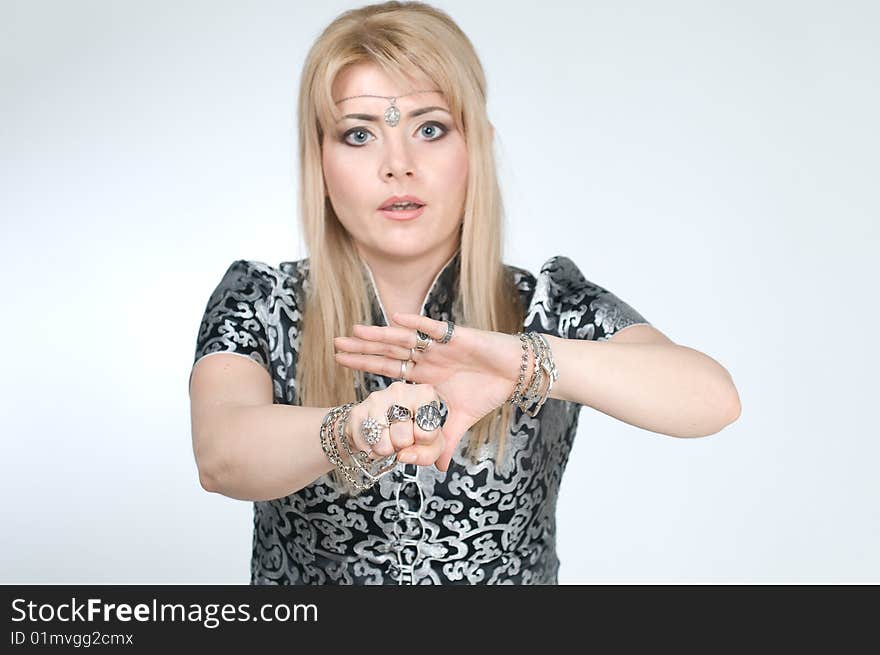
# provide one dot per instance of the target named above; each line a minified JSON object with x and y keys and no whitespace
{"x":665,"y":388}
{"x":263,"y":452}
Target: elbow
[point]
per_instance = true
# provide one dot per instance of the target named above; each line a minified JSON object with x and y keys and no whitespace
{"x":211,"y":458}
{"x":734,"y":407}
{"x":727,"y":398}
{"x":209,"y":468}
{"x":730,"y":413}
{"x":207,"y":480}
{"x":735,"y":411}
{"x":724,"y":410}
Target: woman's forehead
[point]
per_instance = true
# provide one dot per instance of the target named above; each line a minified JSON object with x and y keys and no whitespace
{"x":369,"y":79}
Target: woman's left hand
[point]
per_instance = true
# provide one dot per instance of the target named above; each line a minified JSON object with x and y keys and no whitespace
{"x":473,"y":374}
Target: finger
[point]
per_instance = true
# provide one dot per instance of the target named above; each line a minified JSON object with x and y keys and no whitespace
{"x":378,"y":364}
{"x":402,"y":434}
{"x":442,"y":462}
{"x":422,"y":436}
{"x":434,"y":329}
{"x":422,"y":454}
{"x":362,"y":346}
{"x":400,"y":336}
{"x":382,"y":448}
{"x":453,"y":432}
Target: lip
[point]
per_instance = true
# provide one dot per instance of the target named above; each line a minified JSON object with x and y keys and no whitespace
{"x":405,"y":215}
{"x":395,"y":199}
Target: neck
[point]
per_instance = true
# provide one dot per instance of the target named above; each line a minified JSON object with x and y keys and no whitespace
{"x":402,"y":285}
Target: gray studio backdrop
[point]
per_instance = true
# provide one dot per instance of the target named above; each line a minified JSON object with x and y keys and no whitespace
{"x":713,"y":164}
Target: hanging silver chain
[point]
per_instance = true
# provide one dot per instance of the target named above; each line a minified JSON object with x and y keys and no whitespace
{"x":408,"y":544}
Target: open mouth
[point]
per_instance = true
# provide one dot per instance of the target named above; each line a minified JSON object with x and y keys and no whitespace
{"x":403,"y":211}
{"x":402,"y":206}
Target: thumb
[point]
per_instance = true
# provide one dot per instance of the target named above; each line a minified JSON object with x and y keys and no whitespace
{"x":453,"y":432}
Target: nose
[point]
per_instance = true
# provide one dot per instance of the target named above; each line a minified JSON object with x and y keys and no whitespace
{"x":397,"y":160}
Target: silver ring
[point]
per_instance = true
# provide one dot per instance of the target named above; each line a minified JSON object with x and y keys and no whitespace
{"x":403,"y":363}
{"x":412,"y":354}
{"x":428,"y":416}
{"x":371,"y":430}
{"x":398,"y":413}
{"x":450,"y":328}
{"x":423,"y":341}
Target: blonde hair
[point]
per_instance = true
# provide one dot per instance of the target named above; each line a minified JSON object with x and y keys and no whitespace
{"x":415,"y":39}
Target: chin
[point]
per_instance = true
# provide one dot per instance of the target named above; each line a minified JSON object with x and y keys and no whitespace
{"x":408,"y":249}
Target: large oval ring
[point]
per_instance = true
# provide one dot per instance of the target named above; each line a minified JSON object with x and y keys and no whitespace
{"x":423,"y":341}
{"x":398,"y":413}
{"x":428,"y":416}
{"x":371,"y":430}
{"x":450,"y":328}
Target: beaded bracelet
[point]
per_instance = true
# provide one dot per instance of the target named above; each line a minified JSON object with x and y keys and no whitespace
{"x":548,"y":366}
{"x":538,"y":373}
{"x":544,"y":365}
{"x":524,"y":396}
{"x":516,"y":397}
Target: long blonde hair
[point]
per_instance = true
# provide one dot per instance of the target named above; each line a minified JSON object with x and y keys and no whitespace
{"x":403,"y":38}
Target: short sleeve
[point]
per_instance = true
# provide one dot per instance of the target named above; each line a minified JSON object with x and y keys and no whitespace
{"x":568,"y":305}
{"x":234,"y":320}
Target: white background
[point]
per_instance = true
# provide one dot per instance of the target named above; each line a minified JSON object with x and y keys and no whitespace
{"x":713,"y":164}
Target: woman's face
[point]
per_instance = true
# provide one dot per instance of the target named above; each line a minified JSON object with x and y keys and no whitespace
{"x":367,"y":161}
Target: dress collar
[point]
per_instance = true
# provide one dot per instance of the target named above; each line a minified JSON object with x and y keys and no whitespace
{"x":437,"y":303}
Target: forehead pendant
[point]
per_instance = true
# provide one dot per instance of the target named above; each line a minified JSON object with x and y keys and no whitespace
{"x":392,"y":114}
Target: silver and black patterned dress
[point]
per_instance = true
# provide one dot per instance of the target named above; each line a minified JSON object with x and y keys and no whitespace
{"x":486,"y":523}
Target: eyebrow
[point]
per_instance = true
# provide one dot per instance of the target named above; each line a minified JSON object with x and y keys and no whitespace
{"x":412,"y":114}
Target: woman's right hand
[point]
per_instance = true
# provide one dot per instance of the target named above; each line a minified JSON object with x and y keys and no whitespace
{"x":413,"y":444}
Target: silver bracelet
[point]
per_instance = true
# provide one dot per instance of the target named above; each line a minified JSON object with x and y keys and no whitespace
{"x":522,"y":396}
{"x":517,"y":395}
{"x":544,"y":366}
{"x":548,"y":367}
{"x":328,"y":443}
{"x":360,"y":458}
{"x":538,"y":373}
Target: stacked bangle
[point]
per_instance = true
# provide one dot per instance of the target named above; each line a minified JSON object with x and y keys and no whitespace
{"x":517,"y":395}
{"x":361,"y":472}
{"x":544,"y":368}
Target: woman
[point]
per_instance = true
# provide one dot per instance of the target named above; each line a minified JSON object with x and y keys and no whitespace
{"x":415,"y":399}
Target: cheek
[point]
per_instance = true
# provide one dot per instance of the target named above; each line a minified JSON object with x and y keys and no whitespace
{"x":340,"y":176}
{"x":458,"y":175}
{"x":331,"y":167}
{"x":454,"y":170}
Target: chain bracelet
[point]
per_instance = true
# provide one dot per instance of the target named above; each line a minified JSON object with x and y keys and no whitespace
{"x":549,"y":367}
{"x":544,"y":367}
{"x":360,"y":458}
{"x":516,"y":396}
{"x":327,"y":445}
{"x":528,"y":395}
{"x":538,"y":373}
{"x":348,"y":470}
{"x":330,"y":448}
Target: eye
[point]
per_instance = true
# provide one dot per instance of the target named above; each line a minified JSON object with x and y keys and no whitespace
{"x":358,"y":132}
{"x":434,"y":129}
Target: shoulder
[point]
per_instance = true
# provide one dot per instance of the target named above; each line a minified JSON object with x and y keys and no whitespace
{"x":252,"y":309}
{"x":245,"y":274}
{"x":561,"y":300}
{"x":293,"y":277}
{"x":556,"y":277}
{"x":255,"y":279}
